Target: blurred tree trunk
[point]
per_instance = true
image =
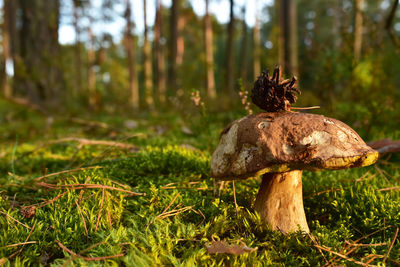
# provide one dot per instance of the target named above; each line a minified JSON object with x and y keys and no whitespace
{"x":337,"y":36}
{"x":159,"y":55}
{"x":93,"y":97}
{"x":256,"y":44}
{"x":229,"y":77}
{"x":358,"y":28}
{"x":180,"y":43}
{"x":279,"y":4}
{"x":78,"y":57}
{"x":288,"y":43}
{"x":173,"y":47}
{"x":293,"y":57}
{"x":148,"y":77}
{"x":129,"y":47}
{"x":8,"y":14}
{"x":389,"y":25}
{"x":208,"y":37}
{"x":243,"y":55}
{"x":37,"y":71}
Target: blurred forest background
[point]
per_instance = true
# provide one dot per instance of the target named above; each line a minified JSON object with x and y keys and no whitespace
{"x":345,"y":54}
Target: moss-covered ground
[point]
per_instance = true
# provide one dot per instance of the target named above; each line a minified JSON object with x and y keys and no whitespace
{"x":67,"y":202}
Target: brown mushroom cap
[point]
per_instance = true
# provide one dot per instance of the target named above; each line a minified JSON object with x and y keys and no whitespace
{"x":284,"y":141}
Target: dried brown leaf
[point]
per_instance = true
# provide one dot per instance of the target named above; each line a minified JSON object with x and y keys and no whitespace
{"x":223,"y":247}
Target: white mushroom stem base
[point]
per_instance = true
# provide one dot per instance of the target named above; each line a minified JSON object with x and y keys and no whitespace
{"x":280,"y":202}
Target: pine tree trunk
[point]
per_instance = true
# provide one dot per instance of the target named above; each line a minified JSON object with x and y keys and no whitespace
{"x":7,"y":57}
{"x":148,"y":73}
{"x":208,"y":36}
{"x":358,"y":28}
{"x":256,"y":50}
{"x":173,"y":47}
{"x":180,"y":43}
{"x":129,"y":47}
{"x":78,"y":57}
{"x":159,"y":54}
{"x":93,"y":102}
{"x":293,"y":39}
{"x":243,"y":52}
{"x":229,"y":76}
{"x":288,"y":44}
{"x":337,"y":36}
{"x":37,"y":70}
{"x":280,"y":6}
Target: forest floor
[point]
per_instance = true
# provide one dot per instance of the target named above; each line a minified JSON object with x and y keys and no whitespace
{"x":109,"y":190}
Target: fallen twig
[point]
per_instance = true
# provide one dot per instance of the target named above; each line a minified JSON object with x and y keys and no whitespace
{"x":86,"y":258}
{"x":371,"y":257}
{"x":23,"y":245}
{"x":322,"y":192}
{"x":83,"y":220}
{"x":170,"y":204}
{"x":386,"y":145}
{"x":389,"y":188}
{"x":365,"y":245}
{"x":328,"y":249}
{"x":88,"y":186}
{"x":315,"y":241}
{"x":108,"y":212}
{"x":48,"y":202}
{"x":390,"y":149}
{"x":66,"y":249}
{"x":102,"y":258}
{"x":173,"y":212}
{"x":20,"y":244}
{"x":15,"y":220}
{"x":83,"y":191}
{"x":84,"y":141}
{"x":335,"y":258}
{"x":331,"y":261}
{"x":202,"y":215}
{"x":174,"y":186}
{"x":391,"y":245}
{"x":67,"y":171}
{"x":382,"y":174}
{"x":366,"y":178}
{"x":234,"y":197}
{"x":305,"y":108}
{"x":194,"y":188}
{"x":100,"y":210}
{"x":118,"y":183}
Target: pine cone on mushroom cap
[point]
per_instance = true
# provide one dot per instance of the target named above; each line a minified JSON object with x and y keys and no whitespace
{"x":274,"y":94}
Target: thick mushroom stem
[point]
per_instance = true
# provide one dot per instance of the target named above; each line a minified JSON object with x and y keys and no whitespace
{"x":280,"y":202}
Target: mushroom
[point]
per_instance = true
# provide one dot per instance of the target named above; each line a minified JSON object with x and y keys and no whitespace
{"x":279,"y":146}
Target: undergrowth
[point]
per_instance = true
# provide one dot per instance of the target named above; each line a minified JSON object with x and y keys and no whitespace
{"x":159,"y":206}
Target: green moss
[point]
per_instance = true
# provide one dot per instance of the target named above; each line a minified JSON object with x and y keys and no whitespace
{"x":159,"y":162}
{"x":339,"y":206}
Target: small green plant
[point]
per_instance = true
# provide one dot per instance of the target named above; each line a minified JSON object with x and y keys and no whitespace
{"x":244,"y":97}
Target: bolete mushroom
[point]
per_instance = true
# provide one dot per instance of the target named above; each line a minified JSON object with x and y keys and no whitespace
{"x":278,"y":146}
